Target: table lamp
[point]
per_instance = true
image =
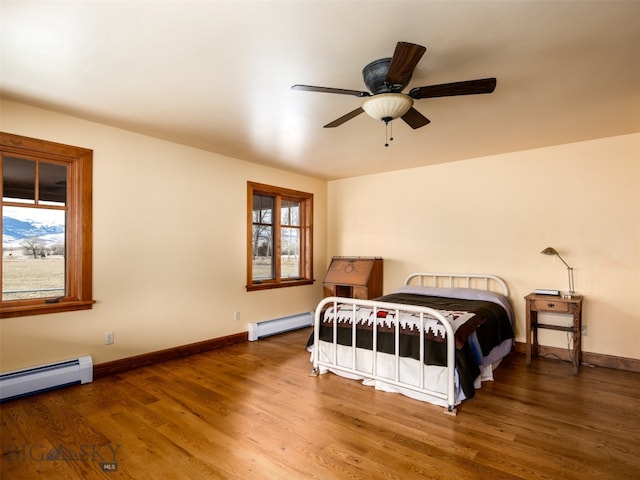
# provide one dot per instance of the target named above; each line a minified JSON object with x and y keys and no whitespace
{"x":553,"y":251}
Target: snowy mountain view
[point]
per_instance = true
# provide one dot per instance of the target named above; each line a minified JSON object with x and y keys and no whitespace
{"x":33,"y":253}
{"x":15,"y":232}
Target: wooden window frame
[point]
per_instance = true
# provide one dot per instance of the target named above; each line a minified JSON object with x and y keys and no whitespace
{"x":79,"y":235}
{"x":306,"y":236}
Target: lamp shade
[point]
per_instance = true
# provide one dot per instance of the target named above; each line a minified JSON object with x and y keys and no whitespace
{"x":387,"y":106}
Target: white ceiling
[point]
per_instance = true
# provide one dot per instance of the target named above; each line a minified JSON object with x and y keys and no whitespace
{"x":217,"y":74}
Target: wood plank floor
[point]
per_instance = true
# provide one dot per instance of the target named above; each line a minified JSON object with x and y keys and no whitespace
{"x":250,"y":411}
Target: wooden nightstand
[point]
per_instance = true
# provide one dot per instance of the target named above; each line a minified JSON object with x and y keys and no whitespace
{"x":553,"y":304}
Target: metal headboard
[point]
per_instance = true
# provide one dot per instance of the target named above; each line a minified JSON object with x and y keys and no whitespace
{"x":478,"y":281}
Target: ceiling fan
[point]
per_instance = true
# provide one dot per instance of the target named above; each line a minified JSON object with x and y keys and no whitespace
{"x":387,"y":77}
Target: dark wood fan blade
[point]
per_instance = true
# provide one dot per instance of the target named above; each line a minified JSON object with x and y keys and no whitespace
{"x":343,"y":91}
{"x":415,"y":119}
{"x":404,"y":61}
{"x":344,"y":118}
{"x":469,"y":87}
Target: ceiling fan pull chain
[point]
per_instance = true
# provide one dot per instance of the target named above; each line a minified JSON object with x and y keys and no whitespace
{"x":386,"y":133}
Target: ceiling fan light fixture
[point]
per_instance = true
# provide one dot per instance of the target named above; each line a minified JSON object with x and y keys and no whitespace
{"x":387,"y":106}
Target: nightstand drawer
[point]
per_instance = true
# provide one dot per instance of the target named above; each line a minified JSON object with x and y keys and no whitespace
{"x":550,"y":305}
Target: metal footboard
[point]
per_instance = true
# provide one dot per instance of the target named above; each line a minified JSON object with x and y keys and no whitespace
{"x":421,"y":312}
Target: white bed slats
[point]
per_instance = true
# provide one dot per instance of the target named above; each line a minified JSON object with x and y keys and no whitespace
{"x":422,"y":312}
{"x":487,"y":282}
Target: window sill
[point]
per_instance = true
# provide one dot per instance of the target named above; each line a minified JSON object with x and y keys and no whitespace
{"x":270,"y":285}
{"x":26,"y":310}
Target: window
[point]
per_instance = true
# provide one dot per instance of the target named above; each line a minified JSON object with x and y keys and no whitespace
{"x":279,"y":246}
{"x":46,"y":262}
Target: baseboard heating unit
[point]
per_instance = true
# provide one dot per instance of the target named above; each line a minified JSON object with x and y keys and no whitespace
{"x":279,"y":325}
{"x":45,"y":377}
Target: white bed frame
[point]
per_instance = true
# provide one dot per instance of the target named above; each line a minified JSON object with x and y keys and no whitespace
{"x":438,"y":280}
{"x":479,"y":281}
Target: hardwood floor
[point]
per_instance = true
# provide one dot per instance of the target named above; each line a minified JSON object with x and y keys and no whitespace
{"x":250,"y":411}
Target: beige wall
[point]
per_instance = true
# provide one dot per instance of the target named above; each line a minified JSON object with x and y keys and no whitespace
{"x":169,"y":226}
{"x":166,"y":274}
{"x":495,"y":214}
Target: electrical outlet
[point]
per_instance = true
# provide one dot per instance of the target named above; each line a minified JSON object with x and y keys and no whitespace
{"x":236,"y":316}
{"x":108,"y":338}
{"x":584,"y":331}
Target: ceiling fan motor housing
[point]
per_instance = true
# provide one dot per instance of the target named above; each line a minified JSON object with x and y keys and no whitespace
{"x":375,"y":74}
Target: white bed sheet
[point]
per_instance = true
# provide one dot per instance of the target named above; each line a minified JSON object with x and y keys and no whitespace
{"x":435,"y":377}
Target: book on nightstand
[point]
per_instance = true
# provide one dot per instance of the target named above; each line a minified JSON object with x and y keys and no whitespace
{"x":546,"y":291}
